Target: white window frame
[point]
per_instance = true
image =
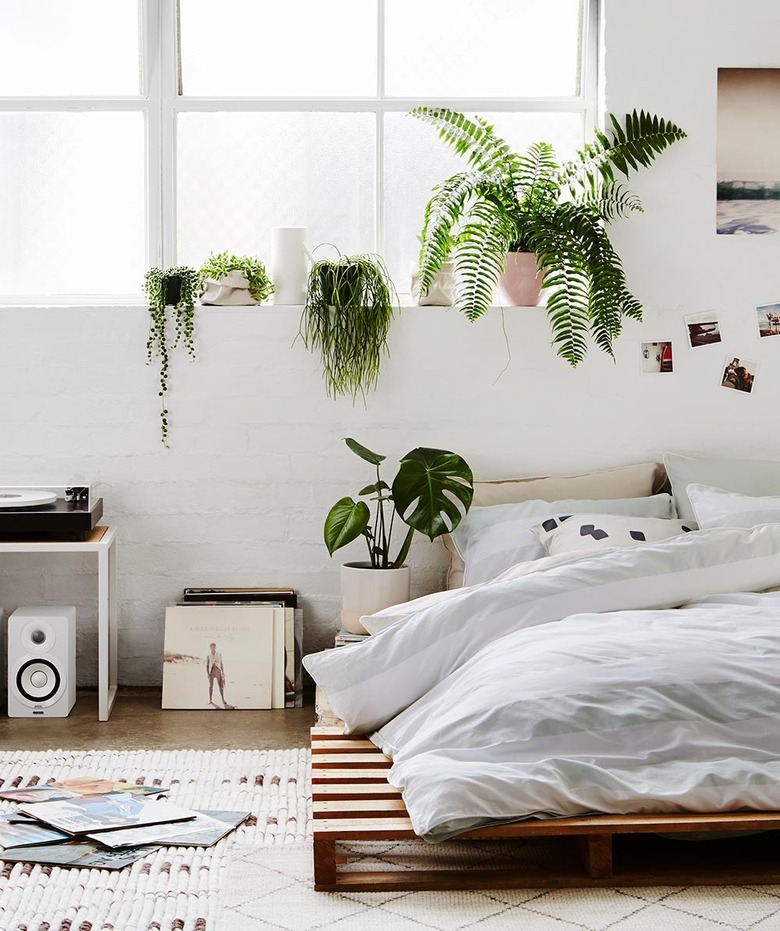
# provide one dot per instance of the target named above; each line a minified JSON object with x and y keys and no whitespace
{"x":160,"y":102}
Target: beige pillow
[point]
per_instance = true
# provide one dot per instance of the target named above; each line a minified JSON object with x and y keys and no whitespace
{"x":634,"y":481}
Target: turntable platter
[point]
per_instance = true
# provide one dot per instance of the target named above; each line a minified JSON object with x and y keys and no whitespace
{"x":13,"y":498}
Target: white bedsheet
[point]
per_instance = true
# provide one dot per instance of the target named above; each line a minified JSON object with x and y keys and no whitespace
{"x":624,"y":712}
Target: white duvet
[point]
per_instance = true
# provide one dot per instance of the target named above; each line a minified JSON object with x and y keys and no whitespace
{"x":618,"y":711}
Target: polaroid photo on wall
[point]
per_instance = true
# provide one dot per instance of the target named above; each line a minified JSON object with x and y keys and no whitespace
{"x":768,"y":316}
{"x":738,"y":374}
{"x":656,"y":358}
{"x":703,"y":328}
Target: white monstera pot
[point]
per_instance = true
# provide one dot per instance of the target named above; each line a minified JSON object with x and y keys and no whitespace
{"x":365,"y":590}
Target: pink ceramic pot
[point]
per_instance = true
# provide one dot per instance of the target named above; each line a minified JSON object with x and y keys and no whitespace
{"x":521,"y":284}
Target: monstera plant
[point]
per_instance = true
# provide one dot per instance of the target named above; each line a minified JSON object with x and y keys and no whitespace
{"x":430,"y":493}
{"x":508,"y":202}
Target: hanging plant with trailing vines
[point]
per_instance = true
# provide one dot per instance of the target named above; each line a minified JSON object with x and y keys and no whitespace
{"x":177,"y":288}
{"x":350,"y":302}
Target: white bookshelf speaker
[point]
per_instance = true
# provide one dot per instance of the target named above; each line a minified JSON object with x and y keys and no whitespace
{"x":41,"y":662}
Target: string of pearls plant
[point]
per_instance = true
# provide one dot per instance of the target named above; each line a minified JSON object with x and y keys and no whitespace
{"x":177,"y":288}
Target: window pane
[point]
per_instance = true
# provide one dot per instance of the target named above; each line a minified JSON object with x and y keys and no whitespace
{"x":298,"y":48}
{"x":63,"y":47}
{"x":241,"y":174}
{"x":494,"y":48}
{"x":416,"y":159}
{"x":71,"y":203}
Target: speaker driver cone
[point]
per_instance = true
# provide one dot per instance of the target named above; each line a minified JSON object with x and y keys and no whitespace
{"x":38,"y":680}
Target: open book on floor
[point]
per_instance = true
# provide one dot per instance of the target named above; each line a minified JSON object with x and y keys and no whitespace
{"x":75,"y":788}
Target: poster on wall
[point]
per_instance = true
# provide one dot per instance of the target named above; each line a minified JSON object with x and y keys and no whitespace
{"x":748,"y":151}
{"x":218,"y":657}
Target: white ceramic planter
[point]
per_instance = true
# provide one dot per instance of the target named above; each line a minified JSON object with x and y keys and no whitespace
{"x":230,"y":290}
{"x":442,"y":293}
{"x":365,"y":590}
{"x":521,"y":284}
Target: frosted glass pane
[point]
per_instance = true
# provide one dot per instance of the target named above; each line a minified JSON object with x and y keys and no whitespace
{"x":64,"y":47}
{"x":267,"y":48}
{"x":416,"y":159}
{"x":493,"y":48}
{"x":71,"y":203}
{"x":241,"y":174}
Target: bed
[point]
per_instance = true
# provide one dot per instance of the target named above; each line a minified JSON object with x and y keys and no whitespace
{"x":609,"y":691}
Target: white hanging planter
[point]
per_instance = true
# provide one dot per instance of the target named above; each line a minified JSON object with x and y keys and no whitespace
{"x":365,"y":590}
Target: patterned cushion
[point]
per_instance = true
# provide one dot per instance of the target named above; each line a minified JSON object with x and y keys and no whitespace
{"x":580,"y":533}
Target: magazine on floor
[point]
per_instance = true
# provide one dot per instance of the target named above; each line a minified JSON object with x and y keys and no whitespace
{"x":79,"y":853}
{"x":30,"y":833}
{"x":105,"y":813}
{"x":75,"y":788}
{"x":205,"y":829}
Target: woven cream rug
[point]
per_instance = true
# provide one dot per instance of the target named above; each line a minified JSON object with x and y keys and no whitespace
{"x":176,"y":888}
{"x":269,"y":889}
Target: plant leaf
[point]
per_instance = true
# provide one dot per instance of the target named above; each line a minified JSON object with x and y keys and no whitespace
{"x":346,"y":520}
{"x":433,"y":490}
{"x":376,"y":487}
{"x":364,"y":452}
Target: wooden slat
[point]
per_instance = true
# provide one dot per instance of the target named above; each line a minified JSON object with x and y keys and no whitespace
{"x":345,"y":790}
{"x":596,"y":853}
{"x":366,"y":776}
{"x":347,"y":745}
{"x":360,"y":808}
{"x":327,"y":731}
{"x":376,"y":760}
{"x":365,"y":828}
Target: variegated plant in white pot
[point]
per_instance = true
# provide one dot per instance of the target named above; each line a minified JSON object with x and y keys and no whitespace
{"x":431,"y":492}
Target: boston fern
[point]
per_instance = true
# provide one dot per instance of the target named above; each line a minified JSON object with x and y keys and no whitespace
{"x":531,"y":202}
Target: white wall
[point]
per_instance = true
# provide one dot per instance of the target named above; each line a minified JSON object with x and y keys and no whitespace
{"x":257,"y":457}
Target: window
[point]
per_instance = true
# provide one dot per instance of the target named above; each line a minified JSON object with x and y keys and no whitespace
{"x":134,"y":134}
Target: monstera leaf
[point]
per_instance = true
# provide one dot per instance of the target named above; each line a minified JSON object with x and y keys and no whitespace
{"x":433,"y":490}
{"x":346,"y":520}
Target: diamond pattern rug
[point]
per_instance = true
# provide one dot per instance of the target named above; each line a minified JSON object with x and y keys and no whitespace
{"x":270,"y":889}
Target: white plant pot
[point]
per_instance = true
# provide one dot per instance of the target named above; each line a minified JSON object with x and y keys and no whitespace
{"x":442,"y":292}
{"x":230,"y":290}
{"x":365,"y":590}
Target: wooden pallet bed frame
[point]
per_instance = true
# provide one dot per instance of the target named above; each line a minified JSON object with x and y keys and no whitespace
{"x":353,"y":802}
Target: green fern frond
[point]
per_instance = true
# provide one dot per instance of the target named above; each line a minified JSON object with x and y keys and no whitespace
{"x":611,"y":201}
{"x":479,"y":259}
{"x":535,"y":176}
{"x":475,"y":140}
{"x":442,"y":213}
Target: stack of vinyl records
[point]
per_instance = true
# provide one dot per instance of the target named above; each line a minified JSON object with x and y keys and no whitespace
{"x":292,"y":654}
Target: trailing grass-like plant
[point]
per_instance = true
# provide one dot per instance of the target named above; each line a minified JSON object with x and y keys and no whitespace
{"x":222,"y":263}
{"x":350,"y":303}
{"x":177,"y":288}
{"x":531,"y":202}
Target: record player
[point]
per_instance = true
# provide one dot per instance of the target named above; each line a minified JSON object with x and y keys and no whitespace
{"x":48,"y":512}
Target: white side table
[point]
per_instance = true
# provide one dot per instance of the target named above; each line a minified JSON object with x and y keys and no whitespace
{"x":101,"y":541}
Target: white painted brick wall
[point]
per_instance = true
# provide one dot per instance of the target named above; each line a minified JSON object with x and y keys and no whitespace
{"x":257,"y":457}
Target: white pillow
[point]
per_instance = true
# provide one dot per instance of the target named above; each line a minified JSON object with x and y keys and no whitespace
{"x":490,"y":540}
{"x":715,"y":507}
{"x":373,"y":681}
{"x":582,"y":533}
{"x":745,"y":476}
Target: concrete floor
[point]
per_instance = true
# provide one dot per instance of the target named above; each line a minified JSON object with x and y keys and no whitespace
{"x":137,"y":721}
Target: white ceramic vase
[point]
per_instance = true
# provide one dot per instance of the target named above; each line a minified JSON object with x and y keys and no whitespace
{"x":290,"y":264}
{"x":230,"y":290}
{"x":365,"y":590}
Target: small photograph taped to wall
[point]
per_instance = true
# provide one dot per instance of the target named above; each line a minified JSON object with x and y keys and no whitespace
{"x":656,"y":358}
{"x":703,"y":328}
{"x":768,"y":319}
{"x":739,"y":374}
